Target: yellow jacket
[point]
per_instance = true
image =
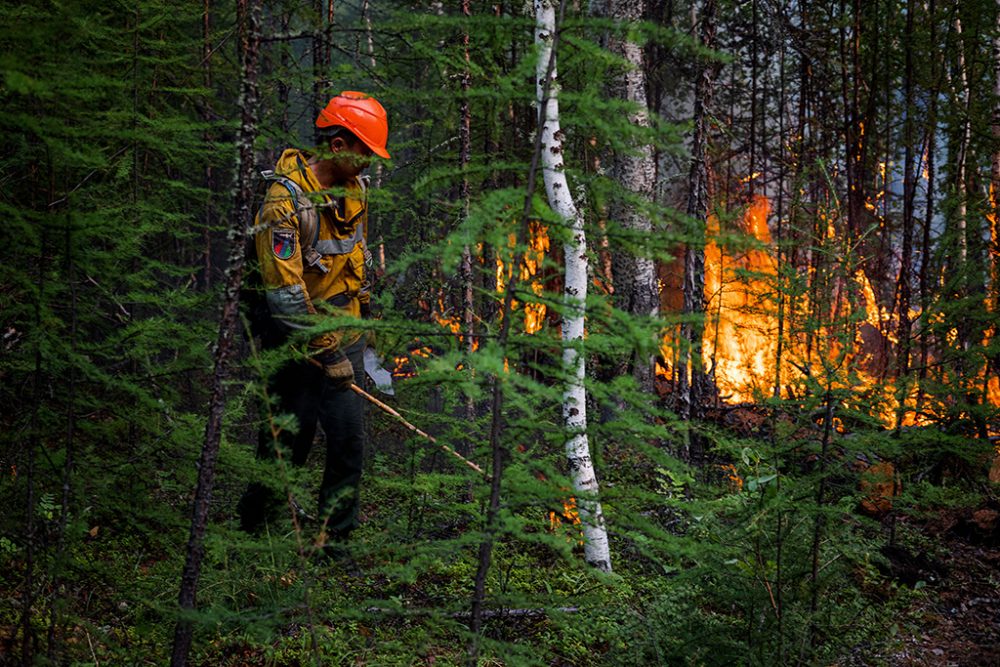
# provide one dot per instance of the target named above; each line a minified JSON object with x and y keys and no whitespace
{"x":295,"y":290}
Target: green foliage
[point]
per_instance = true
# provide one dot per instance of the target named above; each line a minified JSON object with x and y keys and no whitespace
{"x":117,"y":156}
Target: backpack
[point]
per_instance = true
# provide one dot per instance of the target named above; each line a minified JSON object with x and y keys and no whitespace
{"x":258,"y":314}
{"x":252,"y":297}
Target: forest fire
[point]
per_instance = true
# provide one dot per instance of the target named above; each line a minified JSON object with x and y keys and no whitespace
{"x":538,"y":247}
{"x":740,"y":342}
{"x":403,"y":365}
{"x":534,"y":312}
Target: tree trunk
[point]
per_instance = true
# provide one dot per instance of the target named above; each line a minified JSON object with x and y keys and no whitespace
{"x":692,"y":381}
{"x":909,"y":188}
{"x":963,"y":150}
{"x":249,"y":20}
{"x":465,"y":157}
{"x":34,"y":443}
{"x":321,"y":52}
{"x":69,"y":462}
{"x":596,"y":549}
{"x":925,"y":252}
{"x":635,"y":276}
{"x":994,"y":202}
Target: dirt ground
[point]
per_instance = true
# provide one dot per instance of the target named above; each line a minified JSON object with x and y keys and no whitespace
{"x":958,"y":622}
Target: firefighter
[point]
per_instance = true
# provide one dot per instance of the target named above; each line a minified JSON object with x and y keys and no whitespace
{"x":311,"y":248}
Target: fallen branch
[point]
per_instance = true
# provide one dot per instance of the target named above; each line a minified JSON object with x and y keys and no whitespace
{"x":388,"y":410}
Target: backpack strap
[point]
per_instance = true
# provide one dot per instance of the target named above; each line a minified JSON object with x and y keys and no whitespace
{"x":305,"y":211}
{"x":363,"y":182}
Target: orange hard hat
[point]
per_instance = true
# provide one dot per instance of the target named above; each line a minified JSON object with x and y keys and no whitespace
{"x":360,"y":114}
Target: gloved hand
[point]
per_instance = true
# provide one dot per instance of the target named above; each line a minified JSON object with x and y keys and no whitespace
{"x":338,"y":368}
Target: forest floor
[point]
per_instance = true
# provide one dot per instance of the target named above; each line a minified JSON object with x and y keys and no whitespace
{"x":957,"y":623}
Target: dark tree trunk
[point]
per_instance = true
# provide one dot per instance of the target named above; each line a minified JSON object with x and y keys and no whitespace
{"x":692,"y":381}
{"x":249,"y":21}
{"x":924,"y":279}
{"x":34,"y":442}
{"x":465,"y":157}
{"x":67,"y":472}
{"x":206,"y":116}
{"x":321,"y":53}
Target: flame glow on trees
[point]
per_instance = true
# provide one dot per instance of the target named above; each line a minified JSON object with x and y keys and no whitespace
{"x":530,"y":275}
{"x":538,"y":247}
{"x":854,"y":342}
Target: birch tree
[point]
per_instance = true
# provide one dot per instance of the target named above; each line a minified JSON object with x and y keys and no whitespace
{"x":596,"y":550}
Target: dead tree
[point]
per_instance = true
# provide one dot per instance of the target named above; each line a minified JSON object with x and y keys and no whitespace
{"x":249,"y":20}
{"x":692,"y":382}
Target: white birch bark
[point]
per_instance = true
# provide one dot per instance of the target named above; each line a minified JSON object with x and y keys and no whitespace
{"x":596,"y":550}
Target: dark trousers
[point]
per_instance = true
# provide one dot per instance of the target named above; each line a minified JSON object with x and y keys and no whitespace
{"x":303,"y":390}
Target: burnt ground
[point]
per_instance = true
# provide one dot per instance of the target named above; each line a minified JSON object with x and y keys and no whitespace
{"x":957,"y":622}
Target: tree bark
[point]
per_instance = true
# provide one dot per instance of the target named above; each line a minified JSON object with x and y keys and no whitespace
{"x":635,"y":276}
{"x":909,"y":188}
{"x":249,"y":20}
{"x":994,"y":202}
{"x":596,"y":549}
{"x":691,"y":379}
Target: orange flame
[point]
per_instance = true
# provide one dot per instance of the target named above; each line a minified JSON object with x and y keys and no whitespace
{"x":538,"y":246}
{"x":739,"y":338}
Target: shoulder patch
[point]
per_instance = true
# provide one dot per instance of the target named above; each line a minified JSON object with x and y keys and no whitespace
{"x":283,"y":243}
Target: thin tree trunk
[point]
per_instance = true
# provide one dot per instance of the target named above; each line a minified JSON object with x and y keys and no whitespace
{"x":820,"y":521}
{"x":779,"y":238}
{"x":249,"y":20}
{"x":963,"y":149}
{"x":995,"y":176}
{"x":67,"y":473}
{"x":925,"y":253}
{"x":780,"y":291}
{"x":496,"y":446}
{"x":692,"y":381}
{"x":28,"y":594}
{"x":596,"y":549}
{"x":206,"y":118}
{"x":321,"y":55}
{"x":754,"y":88}
{"x":909,"y":188}
{"x":465,"y":157}
{"x":370,"y":40}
